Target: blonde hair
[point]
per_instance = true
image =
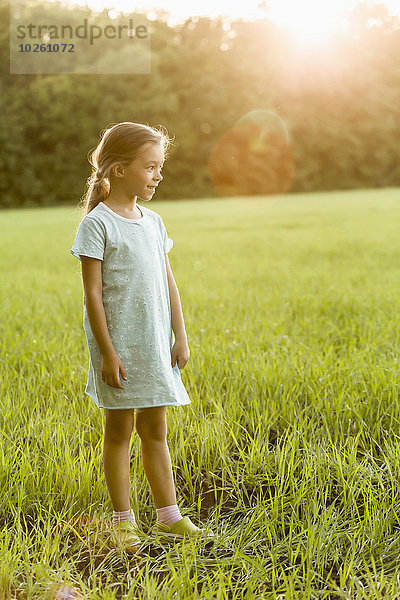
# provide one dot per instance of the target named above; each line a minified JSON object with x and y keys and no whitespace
{"x":118,"y":144}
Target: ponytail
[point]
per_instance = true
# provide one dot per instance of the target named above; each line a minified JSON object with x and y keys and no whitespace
{"x":98,"y":188}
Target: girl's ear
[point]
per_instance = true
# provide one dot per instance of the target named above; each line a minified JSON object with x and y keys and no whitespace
{"x":117,"y":170}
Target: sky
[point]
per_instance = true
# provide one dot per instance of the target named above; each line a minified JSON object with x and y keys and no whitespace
{"x":309,"y":19}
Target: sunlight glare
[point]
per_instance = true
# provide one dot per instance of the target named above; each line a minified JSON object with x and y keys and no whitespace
{"x":310,"y":20}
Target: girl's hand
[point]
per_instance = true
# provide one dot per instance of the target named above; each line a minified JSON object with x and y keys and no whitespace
{"x":180,"y":353}
{"x":111,"y":366}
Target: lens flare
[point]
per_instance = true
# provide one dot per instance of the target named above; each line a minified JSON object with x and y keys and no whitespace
{"x":254,"y":157}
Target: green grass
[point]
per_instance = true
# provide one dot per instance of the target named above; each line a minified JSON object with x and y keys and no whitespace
{"x":290,"y":448}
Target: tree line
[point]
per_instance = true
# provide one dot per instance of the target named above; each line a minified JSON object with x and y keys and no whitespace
{"x":340,"y":103}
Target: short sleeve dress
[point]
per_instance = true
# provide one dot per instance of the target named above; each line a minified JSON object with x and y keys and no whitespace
{"x":137,"y":308}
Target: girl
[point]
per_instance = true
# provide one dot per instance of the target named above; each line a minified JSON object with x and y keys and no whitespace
{"x":131,"y":304}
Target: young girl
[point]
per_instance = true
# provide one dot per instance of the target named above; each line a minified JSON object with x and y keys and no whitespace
{"x":131,"y":304}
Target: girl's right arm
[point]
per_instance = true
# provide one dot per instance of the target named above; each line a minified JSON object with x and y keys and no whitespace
{"x":111,"y":364}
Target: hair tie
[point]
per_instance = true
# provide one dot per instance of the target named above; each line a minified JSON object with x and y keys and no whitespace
{"x":98,"y":177}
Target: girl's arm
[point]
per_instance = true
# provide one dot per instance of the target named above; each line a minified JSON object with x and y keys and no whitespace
{"x":93,"y":287}
{"x":111,"y":365}
{"x":178,"y":324}
{"x":180,"y":350}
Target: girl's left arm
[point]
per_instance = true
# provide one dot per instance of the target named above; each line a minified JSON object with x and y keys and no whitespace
{"x":180,"y":351}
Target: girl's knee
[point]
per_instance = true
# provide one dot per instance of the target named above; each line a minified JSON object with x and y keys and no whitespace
{"x":151,"y":424}
{"x":118,"y":425}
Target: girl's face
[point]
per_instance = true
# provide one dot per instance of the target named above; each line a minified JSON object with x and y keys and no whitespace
{"x":143,"y":174}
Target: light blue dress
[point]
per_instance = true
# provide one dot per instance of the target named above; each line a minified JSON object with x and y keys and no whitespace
{"x":137,"y":308}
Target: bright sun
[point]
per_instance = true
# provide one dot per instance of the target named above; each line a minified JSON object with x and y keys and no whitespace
{"x":309,"y":21}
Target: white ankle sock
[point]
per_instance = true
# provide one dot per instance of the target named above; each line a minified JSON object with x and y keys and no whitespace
{"x":124,"y":515}
{"x":168,"y":514}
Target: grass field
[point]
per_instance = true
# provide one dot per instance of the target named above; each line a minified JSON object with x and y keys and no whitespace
{"x":290,"y":448}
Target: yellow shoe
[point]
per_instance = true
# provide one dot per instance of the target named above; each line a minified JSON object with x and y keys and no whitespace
{"x":125,"y":536}
{"x":181,"y":529}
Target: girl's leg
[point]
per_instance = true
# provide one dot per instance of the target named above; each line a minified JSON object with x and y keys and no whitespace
{"x":117,"y":434}
{"x":151,"y":426}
